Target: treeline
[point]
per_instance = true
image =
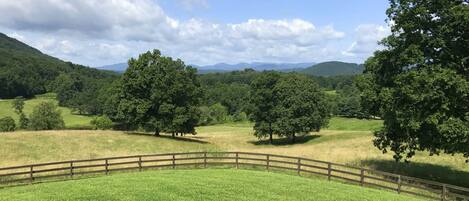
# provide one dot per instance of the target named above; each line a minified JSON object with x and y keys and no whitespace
{"x":229,"y":94}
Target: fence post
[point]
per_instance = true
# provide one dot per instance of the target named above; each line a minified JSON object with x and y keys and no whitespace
{"x":71,"y":169}
{"x":174,"y":161}
{"x":444,"y":191}
{"x":299,"y":166}
{"x":268,"y":162}
{"x":107,"y":166}
{"x":237,"y":160}
{"x":31,"y":178}
{"x":399,"y":184}
{"x":362,"y":176}
{"x":205,"y":159}
{"x":139,"y":163}
{"x":329,"y":170}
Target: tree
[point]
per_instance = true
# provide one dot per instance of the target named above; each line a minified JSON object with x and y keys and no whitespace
{"x":301,"y":106}
{"x":419,"y":83}
{"x":18,"y":106}
{"x":101,"y":123}
{"x":160,"y":93}
{"x":46,"y":116}
{"x":264,"y":101}
{"x":7,"y":124}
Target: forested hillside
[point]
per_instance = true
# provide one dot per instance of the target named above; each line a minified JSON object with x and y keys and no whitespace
{"x":334,"y":68}
{"x":25,"y":71}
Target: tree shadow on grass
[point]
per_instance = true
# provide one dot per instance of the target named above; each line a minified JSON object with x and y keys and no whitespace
{"x":285,"y":141}
{"x":176,"y":138}
{"x":439,"y":173}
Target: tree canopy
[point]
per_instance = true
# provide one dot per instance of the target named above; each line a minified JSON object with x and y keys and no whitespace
{"x":419,"y":83}
{"x":287,"y":105}
{"x":160,"y":94}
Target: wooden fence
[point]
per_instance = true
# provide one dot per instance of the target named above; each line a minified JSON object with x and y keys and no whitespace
{"x":301,"y":166}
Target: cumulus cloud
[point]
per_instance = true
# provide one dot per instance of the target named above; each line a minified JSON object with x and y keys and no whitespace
{"x":366,"y":40}
{"x":94,"y":32}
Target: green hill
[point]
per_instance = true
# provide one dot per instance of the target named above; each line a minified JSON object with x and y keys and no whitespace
{"x":333,"y":68}
{"x":201,"y":184}
{"x":25,"y":71}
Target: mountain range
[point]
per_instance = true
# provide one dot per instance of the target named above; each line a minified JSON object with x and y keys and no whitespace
{"x":330,"y":68}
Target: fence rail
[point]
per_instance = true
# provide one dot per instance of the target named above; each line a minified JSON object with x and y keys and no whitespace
{"x":302,"y":166}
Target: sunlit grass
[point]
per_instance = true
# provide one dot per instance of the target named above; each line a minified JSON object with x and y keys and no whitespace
{"x":71,"y":119}
{"x":205,"y":184}
{"x":346,"y":141}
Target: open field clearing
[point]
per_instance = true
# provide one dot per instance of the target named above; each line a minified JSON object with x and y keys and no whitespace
{"x":208,"y":184}
{"x":71,"y":119}
{"x":341,"y":146}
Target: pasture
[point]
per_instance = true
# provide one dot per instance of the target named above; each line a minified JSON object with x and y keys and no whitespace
{"x":201,"y":184}
{"x":71,"y":118}
{"x":350,"y":143}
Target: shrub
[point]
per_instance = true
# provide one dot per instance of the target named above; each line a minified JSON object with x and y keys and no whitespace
{"x":7,"y":124}
{"x":46,"y":116}
{"x":23,"y":121}
{"x":240,"y":116}
{"x":101,"y":123}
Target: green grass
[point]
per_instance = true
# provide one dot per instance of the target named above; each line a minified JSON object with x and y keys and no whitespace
{"x":71,"y":119}
{"x":206,"y":184}
{"x":353,"y":124}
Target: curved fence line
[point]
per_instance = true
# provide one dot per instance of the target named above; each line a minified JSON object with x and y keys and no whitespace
{"x":302,"y":166}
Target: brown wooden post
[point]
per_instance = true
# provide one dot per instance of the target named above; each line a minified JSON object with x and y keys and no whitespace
{"x":444,"y":192}
{"x":329,"y":170}
{"x":399,"y":184}
{"x":362,"y":177}
{"x":174,"y":161}
{"x":71,"y":169}
{"x":268,"y":162}
{"x":299,"y":166}
{"x":107,"y":166}
{"x":31,"y":171}
{"x":237,"y":160}
{"x":140,"y":163}
{"x":205,"y":159}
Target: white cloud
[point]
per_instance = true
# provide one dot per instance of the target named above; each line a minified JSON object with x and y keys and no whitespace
{"x":366,"y":40}
{"x":98,"y":32}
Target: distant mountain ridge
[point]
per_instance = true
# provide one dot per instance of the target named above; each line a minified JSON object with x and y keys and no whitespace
{"x":330,"y":68}
{"x":224,"y":67}
{"x":334,"y":68}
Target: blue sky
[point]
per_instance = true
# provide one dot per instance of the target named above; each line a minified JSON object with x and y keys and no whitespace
{"x":199,"y":32}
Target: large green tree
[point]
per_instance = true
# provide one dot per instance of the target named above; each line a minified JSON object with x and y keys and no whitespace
{"x":287,"y":105}
{"x":160,"y":94}
{"x":264,"y":102}
{"x":419,"y":83}
{"x":301,"y":106}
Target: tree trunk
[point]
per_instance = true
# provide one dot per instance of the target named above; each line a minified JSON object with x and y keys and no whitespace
{"x":293,"y":139}
{"x":270,"y":133}
{"x":172,"y":134}
{"x":157,"y":132}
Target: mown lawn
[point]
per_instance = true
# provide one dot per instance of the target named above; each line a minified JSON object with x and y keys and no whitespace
{"x":206,"y":184}
{"x":71,"y":119}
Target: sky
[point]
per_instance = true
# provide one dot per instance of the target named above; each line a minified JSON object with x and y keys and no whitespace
{"x":201,"y":32}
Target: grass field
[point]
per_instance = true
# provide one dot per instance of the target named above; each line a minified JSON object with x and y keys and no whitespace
{"x":343,"y":146}
{"x":202,"y":184}
{"x":71,"y":119}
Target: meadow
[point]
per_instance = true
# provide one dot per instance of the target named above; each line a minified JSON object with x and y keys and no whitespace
{"x":71,"y":118}
{"x":201,"y":184}
{"x":347,"y":141}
